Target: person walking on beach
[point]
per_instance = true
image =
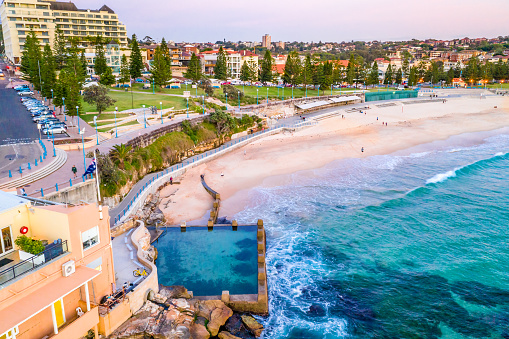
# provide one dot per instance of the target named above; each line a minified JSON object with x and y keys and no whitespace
{"x":362,"y":149}
{"x":385,"y":124}
{"x":171,"y":180}
{"x":74,"y":170}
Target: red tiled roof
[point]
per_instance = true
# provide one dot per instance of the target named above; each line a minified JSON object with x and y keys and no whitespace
{"x":279,"y":68}
{"x":247,"y":53}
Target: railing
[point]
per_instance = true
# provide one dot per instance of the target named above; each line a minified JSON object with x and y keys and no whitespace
{"x":60,"y":185}
{"x":51,"y":252}
{"x":140,"y":194}
{"x":28,"y":166}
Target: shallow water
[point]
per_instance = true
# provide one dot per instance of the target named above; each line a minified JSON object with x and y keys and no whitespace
{"x":208,"y":263}
{"x":412,"y":245}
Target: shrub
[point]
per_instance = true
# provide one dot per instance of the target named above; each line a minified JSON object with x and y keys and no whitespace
{"x":29,"y":245}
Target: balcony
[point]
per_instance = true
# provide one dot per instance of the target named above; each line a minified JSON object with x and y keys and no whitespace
{"x":18,"y":263}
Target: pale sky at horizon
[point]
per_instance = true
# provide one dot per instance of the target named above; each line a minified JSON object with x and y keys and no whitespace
{"x":325,"y":20}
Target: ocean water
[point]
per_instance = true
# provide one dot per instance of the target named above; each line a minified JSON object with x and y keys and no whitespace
{"x":209,"y":262}
{"x":407,"y":245}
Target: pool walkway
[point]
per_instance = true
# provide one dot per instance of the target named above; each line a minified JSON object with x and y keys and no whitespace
{"x":124,"y":254}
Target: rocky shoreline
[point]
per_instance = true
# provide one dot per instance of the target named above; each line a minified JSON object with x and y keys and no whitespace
{"x":174,"y":313}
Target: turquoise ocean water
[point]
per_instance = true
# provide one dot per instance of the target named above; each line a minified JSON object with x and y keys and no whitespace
{"x":407,"y":245}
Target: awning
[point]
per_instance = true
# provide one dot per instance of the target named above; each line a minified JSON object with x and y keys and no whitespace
{"x":344,"y":99}
{"x":312,"y":104}
{"x":43,"y":297}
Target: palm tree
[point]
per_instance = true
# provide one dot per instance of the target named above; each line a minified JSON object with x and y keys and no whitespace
{"x":121,"y":153}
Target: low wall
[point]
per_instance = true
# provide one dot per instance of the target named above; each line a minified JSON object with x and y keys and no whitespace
{"x":84,"y":191}
{"x":139,"y":295}
{"x":108,"y":322}
{"x":122,"y":228}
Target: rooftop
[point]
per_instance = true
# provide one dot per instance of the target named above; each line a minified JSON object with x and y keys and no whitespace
{"x":9,"y":201}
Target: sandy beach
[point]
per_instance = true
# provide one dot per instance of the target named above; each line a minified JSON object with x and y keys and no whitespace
{"x":270,"y":161}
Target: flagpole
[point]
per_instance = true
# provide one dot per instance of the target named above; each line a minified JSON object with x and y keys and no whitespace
{"x":97,"y":177}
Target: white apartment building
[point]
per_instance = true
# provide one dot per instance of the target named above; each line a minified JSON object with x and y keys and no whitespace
{"x":233,"y":62}
{"x":20,"y":16}
{"x":113,"y":54}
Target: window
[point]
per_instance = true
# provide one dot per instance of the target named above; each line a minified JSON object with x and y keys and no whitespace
{"x":45,"y":13}
{"x":12,"y":12}
{"x":90,"y":237}
{"x":19,"y":25}
{"x":6,"y":240}
{"x":45,"y":41}
{"x":10,"y":5}
{"x":44,"y":26}
{"x":21,"y":32}
{"x":45,"y":33}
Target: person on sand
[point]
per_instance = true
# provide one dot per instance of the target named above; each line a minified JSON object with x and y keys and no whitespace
{"x":385,"y":124}
{"x":171,"y":180}
{"x":376,"y":118}
{"x":222,"y":174}
{"x":74,"y":170}
{"x":362,"y":149}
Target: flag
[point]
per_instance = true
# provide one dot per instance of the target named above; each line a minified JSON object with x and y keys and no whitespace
{"x":91,"y":168}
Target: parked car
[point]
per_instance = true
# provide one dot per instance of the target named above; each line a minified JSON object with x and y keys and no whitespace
{"x":26,"y":93}
{"x":54,"y":130}
{"x":41,"y":117}
{"x":20,"y":87}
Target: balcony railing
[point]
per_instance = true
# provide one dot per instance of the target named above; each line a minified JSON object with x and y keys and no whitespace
{"x":51,"y":252}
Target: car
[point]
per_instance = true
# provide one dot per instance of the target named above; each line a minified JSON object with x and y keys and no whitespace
{"x":20,"y":87}
{"x":41,"y":117}
{"x":54,"y":130}
{"x":36,"y":114}
{"x":48,"y":121}
{"x":26,"y":93}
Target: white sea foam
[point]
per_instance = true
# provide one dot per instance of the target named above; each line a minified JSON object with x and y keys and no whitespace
{"x":441,"y":177}
{"x":499,"y":154}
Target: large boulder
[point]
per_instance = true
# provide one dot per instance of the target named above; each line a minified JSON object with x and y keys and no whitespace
{"x":254,"y":326}
{"x":218,"y":318}
{"x":173,"y":292}
{"x":227,"y":335}
{"x":199,"y":331}
{"x":235,"y":326}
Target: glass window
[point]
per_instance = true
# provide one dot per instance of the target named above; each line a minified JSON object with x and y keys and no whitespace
{"x":45,"y":41}
{"x":6,"y":239}
{"x":45,"y":13}
{"x":10,"y":5}
{"x":21,"y":32}
{"x":19,"y":25}
{"x":12,"y":12}
{"x":90,"y":237}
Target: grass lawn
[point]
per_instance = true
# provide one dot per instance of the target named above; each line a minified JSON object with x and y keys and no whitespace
{"x":134,"y":122}
{"x":123,"y":101}
{"x":505,"y":85}
{"x":179,"y":91}
{"x":297,"y":92}
{"x":104,"y":116}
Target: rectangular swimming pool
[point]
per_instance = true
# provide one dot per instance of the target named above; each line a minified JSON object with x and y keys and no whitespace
{"x":209,"y":262}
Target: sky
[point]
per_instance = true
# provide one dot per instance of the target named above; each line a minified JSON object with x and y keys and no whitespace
{"x":318,"y":20}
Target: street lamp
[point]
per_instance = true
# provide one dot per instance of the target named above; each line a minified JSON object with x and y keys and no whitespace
{"x":187,"y":109}
{"x":257,"y":96}
{"x":203,"y":98}
{"x":78,"y":114}
{"x":226,"y":95}
{"x":53,"y":137}
{"x":283,"y":92}
{"x":63,"y":103}
{"x":52,"y":95}
{"x":292,"y":91}
{"x":267,"y":95}
{"x":96,"y":133}
{"x":144,"y":119}
{"x":161,"y":103}
{"x":239,"y":100}
{"x":318,"y":90}
{"x":116,"y":133}
{"x":83,"y":147}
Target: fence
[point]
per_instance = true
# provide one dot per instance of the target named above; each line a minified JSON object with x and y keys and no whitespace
{"x":58,"y":186}
{"x":138,"y":196}
{"x":376,"y":96}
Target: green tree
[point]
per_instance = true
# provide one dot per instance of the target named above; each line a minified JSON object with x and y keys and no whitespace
{"x":124,"y":70}
{"x":406,"y":65}
{"x":223,"y":121}
{"x":84,"y":62}
{"x":100,"y":64}
{"x":59,"y":48}
{"x":245,"y":72}
{"x":266,"y":67}
{"x":412,"y":76}
{"x":399,"y":76}
{"x":194,"y":69}
{"x":30,"y":60}
{"x":121,"y":153}
{"x":350,"y":70}
{"x":136,"y":63}
{"x":161,"y":72}
{"x":292,"y":69}
{"x":373,"y":75}
{"x":70,"y":82}
{"x":307,"y":71}
{"x":388,"y":75}
{"x":98,"y":96}
{"x":107,"y":78}
{"x":220,"y":69}
{"x":48,"y":72}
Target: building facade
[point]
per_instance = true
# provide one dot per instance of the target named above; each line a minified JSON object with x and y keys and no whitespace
{"x":55,"y":293}
{"x":19,"y":17}
{"x":266,"y":41}
{"x":208,"y":61}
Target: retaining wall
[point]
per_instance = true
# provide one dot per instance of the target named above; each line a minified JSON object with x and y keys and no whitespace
{"x":83,"y":191}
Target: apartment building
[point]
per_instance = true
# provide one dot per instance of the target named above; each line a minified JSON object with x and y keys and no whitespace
{"x":53,"y":294}
{"x":43,"y":17}
{"x":249,"y":57}
{"x":266,"y":41}
{"x":233,"y":62}
{"x":179,"y":59}
{"x":113,"y":54}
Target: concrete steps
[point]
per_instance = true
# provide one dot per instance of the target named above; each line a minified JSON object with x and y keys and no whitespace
{"x":57,"y":162}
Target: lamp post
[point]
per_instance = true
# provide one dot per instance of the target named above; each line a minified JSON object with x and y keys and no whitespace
{"x":226,"y":95}
{"x":78,"y":114}
{"x":53,"y":138}
{"x":144,"y":119}
{"x":283,"y":92}
{"x":83,"y":147}
{"x":257,"y":96}
{"x":161,"y":103}
{"x":96,"y":133}
{"x":153,"y":86}
{"x":267,"y":95}
{"x":292,"y":92}
{"x":116,"y":133}
{"x":63,"y":101}
{"x":239,"y":100}
{"x":52,"y":97}
{"x":187,"y":109}
{"x":203,"y":98}
{"x":278,"y":91}
{"x":306,"y":90}
{"x":318,"y":90}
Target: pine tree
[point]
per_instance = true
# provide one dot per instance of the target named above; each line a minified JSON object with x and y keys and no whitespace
{"x":59,"y":48}
{"x":30,"y":60}
{"x":326,"y":76}
{"x":70,"y":82}
{"x":194,"y":69}
{"x":292,"y":69}
{"x":159,"y":68}
{"x":412,"y":76}
{"x":255,"y":72}
{"x":266,"y":69}
{"x":100,"y":64}
{"x":220,"y":71}
{"x":373,"y":75}
{"x":399,"y":76}
{"x":307,"y":72}
{"x":48,"y":74}
{"x":245,"y":72}
{"x":350,"y":70}
{"x":166,"y":53}
{"x":136,"y":64}
{"x":107,"y":78}
{"x":84,"y":63}
{"x":406,"y":65}
{"x":388,"y":75}
{"x":124,"y":70}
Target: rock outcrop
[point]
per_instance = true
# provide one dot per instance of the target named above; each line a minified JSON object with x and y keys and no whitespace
{"x":254,"y":326}
{"x":227,"y":335}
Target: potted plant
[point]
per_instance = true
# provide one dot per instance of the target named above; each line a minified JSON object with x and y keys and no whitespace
{"x":29,"y":248}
